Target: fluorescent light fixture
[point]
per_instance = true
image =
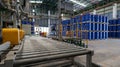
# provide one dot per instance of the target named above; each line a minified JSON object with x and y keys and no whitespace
{"x":62,"y":15}
{"x":77,"y":2}
{"x":74,"y":10}
{"x":33,"y":10}
{"x":35,"y":1}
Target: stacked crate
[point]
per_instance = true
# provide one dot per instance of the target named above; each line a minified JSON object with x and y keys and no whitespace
{"x":114,"y":28}
{"x":96,"y":26}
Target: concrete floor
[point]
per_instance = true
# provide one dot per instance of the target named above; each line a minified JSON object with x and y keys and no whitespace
{"x":106,"y":52}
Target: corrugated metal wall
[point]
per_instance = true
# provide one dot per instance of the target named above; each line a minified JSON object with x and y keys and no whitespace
{"x":108,"y":11}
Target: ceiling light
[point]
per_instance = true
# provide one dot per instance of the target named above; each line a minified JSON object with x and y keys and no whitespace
{"x":62,"y":15}
{"x":74,"y":10}
{"x":35,"y":1}
{"x":77,"y":2}
{"x":33,"y":10}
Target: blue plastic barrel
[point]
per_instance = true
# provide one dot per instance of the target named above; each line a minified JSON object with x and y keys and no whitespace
{"x":100,"y":18}
{"x":95,"y":35}
{"x":96,"y":18}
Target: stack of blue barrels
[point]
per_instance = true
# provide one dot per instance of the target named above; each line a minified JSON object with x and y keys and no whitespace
{"x":96,"y":26}
{"x":29,"y":23}
{"x":88,"y":26}
{"x":65,"y":27}
{"x":114,"y":28}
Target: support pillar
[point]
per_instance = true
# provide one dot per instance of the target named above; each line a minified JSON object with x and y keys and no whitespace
{"x":115,"y":11}
{"x":94,"y":12}
{"x":49,"y":23}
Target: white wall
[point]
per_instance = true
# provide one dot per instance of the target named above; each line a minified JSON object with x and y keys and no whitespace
{"x":42,"y":29}
{"x":37,"y":29}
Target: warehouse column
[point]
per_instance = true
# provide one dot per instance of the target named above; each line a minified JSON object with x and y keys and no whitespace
{"x":94,"y":12}
{"x":60,"y":20}
{"x":49,"y":23}
{"x":1,"y":19}
{"x":18,"y":14}
{"x":115,"y":11}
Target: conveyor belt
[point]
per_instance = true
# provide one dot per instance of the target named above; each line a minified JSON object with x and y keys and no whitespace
{"x":42,"y":50}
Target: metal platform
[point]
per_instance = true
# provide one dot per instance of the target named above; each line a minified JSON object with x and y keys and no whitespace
{"x":44,"y":52}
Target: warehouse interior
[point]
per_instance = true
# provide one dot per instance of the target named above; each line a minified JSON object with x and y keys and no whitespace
{"x":59,"y":33}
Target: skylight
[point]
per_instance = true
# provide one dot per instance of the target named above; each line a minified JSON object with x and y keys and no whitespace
{"x":35,"y":1}
{"x":77,"y":2}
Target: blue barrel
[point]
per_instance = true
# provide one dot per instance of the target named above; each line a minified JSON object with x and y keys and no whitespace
{"x":68,"y":21}
{"x":68,"y":28}
{"x":92,"y":36}
{"x":79,"y":26}
{"x":110,"y":22}
{"x":100,"y":34}
{"x":32,"y":32}
{"x":114,"y":28}
{"x":119,"y":34}
{"x":118,"y":28}
{"x":103,"y":19}
{"x":88,"y":16}
{"x":96,"y":26}
{"x":92,"y":18}
{"x":89,"y":35}
{"x":106,"y":26}
{"x":63,"y":33}
{"x":96,"y":18}
{"x":103,"y":35}
{"x":102,"y":27}
{"x":106,"y":35}
{"x":100,"y":18}
{"x":86,"y":26}
{"x":106,"y":19}
{"x":74,"y":27}
{"x":118,"y":21}
{"x":95,"y":35}
{"x":113,"y":34}
{"x":32,"y":28}
{"x":83,"y":18}
{"x":24,"y":22}
{"x":92,"y":26}
{"x":84,"y":35}
{"x":63,"y":22}
{"x":75,"y":20}
{"x":78,"y":18}
{"x":32,"y":23}
{"x":109,"y":34}
{"x":109,"y":28}
{"x":114,"y":22}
